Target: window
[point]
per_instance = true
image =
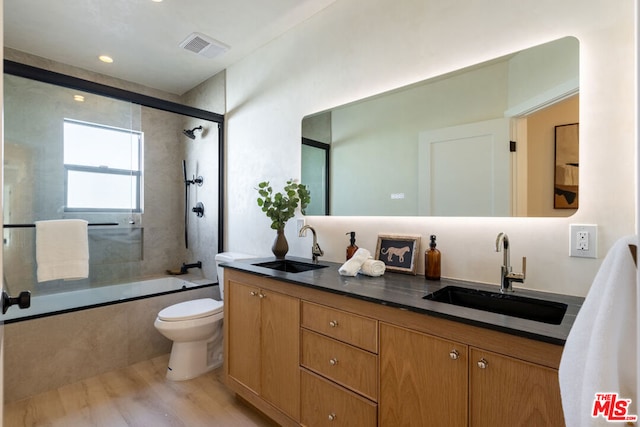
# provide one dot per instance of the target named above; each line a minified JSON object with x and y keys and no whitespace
{"x":102,"y":168}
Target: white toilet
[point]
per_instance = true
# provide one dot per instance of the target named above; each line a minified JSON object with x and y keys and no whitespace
{"x":195,"y":327}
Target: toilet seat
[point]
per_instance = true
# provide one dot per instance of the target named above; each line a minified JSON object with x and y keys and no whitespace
{"x":189,"y":310}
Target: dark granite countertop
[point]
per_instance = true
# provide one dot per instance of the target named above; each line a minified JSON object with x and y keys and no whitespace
{"x":406,"y":292}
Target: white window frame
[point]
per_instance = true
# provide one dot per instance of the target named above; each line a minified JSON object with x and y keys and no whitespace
{"x":137,"y":174}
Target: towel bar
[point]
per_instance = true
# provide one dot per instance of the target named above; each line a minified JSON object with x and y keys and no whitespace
{"x":33,"y":225}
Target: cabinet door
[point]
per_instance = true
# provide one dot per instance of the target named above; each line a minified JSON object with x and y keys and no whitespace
{"x":509,"y":392}
{"x":281,"y":352}
{"x":244,"y":334}
{"x":423,"y":379}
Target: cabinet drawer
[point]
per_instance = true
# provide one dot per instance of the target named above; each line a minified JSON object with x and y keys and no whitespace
{"x":349,"y":366}
{"x":326,"y":404}
{"x":353,"y":329}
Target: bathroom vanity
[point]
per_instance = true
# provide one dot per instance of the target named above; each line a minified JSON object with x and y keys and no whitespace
{"x":315,"y":348}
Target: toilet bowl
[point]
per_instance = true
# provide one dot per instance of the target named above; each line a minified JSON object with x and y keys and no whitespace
{"x":195,"y":327}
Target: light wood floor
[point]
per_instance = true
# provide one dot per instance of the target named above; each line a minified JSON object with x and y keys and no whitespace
{"x":138,"y":395}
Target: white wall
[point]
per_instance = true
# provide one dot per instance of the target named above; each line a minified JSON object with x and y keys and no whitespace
{"x":354,"y":49}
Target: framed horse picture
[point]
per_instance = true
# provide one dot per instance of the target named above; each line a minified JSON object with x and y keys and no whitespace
{"x":398,"y":252}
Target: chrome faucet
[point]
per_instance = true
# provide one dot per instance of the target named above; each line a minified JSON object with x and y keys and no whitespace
{"x":507,"y":277}
{"x":315,"y":249}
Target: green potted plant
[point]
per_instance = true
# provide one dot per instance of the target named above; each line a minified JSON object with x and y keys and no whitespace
{"x":281,"y":207}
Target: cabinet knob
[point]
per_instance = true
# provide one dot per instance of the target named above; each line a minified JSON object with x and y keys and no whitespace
{"x":261,"y":295}
{"x":482,"y":363}
{"x":333,"y":323}
{"x":253,"y":293}
{"x":453,"y":354}
{"x":332,"y":417}
{"x":333,"y":361}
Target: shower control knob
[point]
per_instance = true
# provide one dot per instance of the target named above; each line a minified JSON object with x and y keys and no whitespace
{"x":199,"y":210}
{"x":23,"y":300}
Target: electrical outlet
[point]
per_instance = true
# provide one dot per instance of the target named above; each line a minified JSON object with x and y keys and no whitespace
{"x":583,"y":240}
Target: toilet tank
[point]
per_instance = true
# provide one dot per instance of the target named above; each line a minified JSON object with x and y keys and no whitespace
{"x":227,"y":257}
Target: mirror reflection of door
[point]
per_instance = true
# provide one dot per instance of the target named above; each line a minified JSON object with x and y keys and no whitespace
{"x":566,"y":177}
{"x":315,"y":175}
{"x":465,"y":170}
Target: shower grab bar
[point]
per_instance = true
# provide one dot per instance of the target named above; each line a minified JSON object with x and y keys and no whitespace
{"x":33,"y":225}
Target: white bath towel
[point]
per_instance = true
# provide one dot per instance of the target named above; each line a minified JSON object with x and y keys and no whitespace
{"x":600,"y":353}
{"x":352,"y":266}
{"x":62,"y":249}
{"x":372,"y":267}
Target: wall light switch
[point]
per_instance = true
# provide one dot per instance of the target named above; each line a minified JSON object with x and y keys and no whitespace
{"x":583,"y":240}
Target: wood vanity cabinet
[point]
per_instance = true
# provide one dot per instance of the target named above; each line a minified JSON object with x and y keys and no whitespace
{"x":308,"y":357}
{"x":509,"y":392}
{"x":339,"y":368}
{"x":425,"y":380}
{"x":262,"y":348}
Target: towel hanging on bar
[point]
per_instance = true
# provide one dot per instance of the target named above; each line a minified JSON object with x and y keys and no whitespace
{"x":62,"y":249}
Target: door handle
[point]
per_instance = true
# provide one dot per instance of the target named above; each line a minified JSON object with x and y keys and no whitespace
{"x":23,"y":300}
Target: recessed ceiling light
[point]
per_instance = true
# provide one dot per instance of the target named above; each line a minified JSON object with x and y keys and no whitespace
{"x":157,"y":1}
{"x":78,"y":98}
{"x":105,"y":58}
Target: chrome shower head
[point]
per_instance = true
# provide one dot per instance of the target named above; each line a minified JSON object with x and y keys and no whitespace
{"x":191,"y":133}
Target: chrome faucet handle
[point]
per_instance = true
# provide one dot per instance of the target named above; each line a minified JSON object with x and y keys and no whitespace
{"x":317,"y":250}
{"x":519,"y":277}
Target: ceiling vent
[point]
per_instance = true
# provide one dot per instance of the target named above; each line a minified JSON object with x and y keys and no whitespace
{"x":204,"y":45}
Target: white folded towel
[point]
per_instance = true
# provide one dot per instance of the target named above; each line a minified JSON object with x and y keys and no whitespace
{"x":62,"y":249}
{"x":599,"y":355}
{"x":352,"y":266}
{"x":372,"y":267}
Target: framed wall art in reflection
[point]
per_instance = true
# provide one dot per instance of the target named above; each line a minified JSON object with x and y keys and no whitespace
{"x":565,"y":188}
{"x":398,"y":252}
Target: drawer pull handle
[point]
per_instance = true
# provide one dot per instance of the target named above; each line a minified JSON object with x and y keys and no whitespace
{"x":482,"y":363}
{"x":453,"y":354}
{"x":332,"y":417}
{"x":333,"y":361}
{"x":333,"y":323}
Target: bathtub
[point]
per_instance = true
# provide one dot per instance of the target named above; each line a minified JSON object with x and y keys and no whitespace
{"x":66,"y":337}
{"x":64,"y":302}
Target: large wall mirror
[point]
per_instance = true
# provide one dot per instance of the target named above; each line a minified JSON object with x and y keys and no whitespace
{"x":475,"y":142}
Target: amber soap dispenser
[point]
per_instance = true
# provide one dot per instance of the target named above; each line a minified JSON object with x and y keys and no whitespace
{"x":352,"y":248}
{"x":432,"y":261}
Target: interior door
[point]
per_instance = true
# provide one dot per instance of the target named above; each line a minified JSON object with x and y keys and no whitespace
{"x":465,"y":170}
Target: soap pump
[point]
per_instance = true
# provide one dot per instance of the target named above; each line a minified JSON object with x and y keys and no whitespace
{"x":432,"y":261}
{"x":352,"y":248}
